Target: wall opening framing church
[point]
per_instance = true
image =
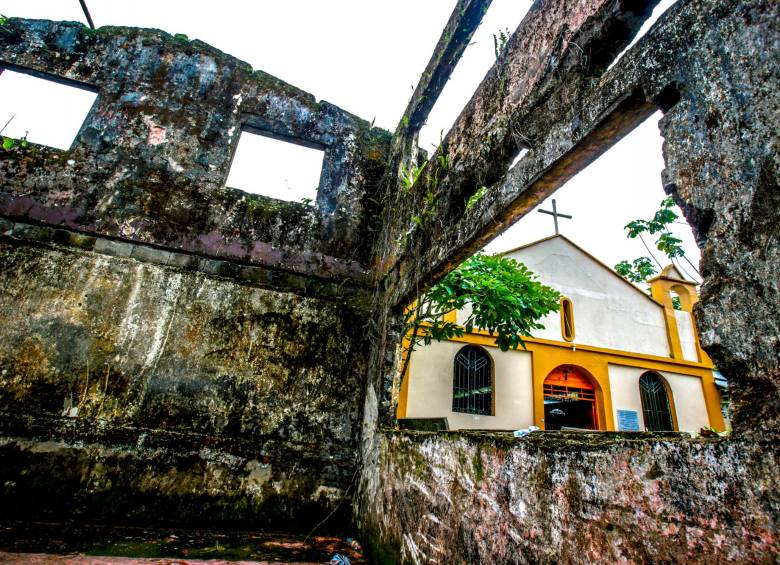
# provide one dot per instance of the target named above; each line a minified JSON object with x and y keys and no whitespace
{"x":612,"y":358}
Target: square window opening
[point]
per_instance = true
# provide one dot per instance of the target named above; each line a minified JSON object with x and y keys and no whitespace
{"x":278,"y":169}
{"x":43,"y":111}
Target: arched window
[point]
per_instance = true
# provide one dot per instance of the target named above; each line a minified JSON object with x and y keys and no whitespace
{"x":472,"y":384}
{"x":567,"y":319}
{"x":655,"y":403}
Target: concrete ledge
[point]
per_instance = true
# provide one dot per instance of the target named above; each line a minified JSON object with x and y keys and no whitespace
{"x":261,"y":277}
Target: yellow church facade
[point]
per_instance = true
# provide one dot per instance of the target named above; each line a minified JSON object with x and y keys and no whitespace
{"x":613,"y":358}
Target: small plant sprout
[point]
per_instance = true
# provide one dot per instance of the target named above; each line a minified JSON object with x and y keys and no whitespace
{"x":500,"y":41}
{"x":476,"y":197}
{"x":410,"y":172}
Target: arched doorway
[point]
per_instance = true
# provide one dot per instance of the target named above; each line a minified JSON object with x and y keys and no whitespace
{"x":570,"y":399}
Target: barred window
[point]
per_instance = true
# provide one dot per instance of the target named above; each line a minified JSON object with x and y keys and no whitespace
{"x":655,"y":403}
{"x":472,"y":388}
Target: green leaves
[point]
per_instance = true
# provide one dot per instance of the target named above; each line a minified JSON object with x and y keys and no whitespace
{"x":410,"y":172}
{"x":670,"y":245}
{"x":642,"y":268}
{"x":661,"y":219}
{"x":638,"y":271}
{"x":503,"y":297}
{"x":10,"y":143}
{"x":500,"y":40}
{"x":476,"y":197}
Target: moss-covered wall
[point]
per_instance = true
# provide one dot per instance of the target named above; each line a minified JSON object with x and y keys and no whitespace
{"x":151,"y":160}
{"x":169,"y":394}
{"x":172,"y":349}
{"x":562,"y":497}
{"x":711,"y":67}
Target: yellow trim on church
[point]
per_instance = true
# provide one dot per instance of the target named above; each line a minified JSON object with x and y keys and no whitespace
{"x":547,"y":355}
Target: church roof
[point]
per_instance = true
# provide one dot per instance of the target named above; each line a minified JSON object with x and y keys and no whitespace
{"x":588,"y":255}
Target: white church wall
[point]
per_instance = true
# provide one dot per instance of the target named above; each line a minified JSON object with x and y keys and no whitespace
{"x":687,"y":395}
{"x":607,"y":311}
{"x":430,"y":388}
{"x":687,"y":336}
{"x":624,"y":387}
{"x":689,"y":401}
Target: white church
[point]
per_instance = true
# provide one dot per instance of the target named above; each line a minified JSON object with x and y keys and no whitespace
{"x":613,"y":358}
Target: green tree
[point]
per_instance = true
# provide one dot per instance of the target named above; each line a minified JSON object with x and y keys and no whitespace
{"x":504,"y":296}
{"x":641,"y":269}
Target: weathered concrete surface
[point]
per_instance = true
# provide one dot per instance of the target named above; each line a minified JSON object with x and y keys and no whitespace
{"x":145,"y":374}
{"x":150,"y":162}
{"x":455,"y":38}
{"x":210,"y":400}
{"x":172,"y":349}
{"x":532,"y":98}
{"x":712,"y":67}
{"x":485,"y":498}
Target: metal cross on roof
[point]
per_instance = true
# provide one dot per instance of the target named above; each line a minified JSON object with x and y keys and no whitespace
{"x":555,"y":214}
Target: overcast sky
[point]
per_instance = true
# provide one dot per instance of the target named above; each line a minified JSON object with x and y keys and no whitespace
{"x":366,"y":56}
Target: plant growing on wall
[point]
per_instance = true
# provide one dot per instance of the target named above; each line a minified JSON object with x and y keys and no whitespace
{"x":503,"y":295}
{"x":500,"y":40}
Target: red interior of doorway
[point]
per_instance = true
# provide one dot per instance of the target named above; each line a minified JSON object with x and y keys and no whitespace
{"x":569,"y":389}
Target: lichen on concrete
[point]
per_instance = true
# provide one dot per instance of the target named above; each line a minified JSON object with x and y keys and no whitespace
{"x":463,"y":498}
{"x":175,"y":350}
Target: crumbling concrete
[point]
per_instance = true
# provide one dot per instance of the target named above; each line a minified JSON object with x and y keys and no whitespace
{"x":152,"y":157}
{"x":711,"y":66}
{"x":172,"y":349}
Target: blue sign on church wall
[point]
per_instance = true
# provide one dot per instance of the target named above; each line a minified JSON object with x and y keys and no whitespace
{"x":628,"y":421}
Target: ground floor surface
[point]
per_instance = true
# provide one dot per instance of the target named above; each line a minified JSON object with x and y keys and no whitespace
{"x":50,"y":544}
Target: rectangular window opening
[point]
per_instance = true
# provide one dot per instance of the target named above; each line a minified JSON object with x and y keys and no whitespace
{"x":278,"y":169}
{"x":43,"y":111}
{"x":573,"y":248}
{"x":501,"y":19}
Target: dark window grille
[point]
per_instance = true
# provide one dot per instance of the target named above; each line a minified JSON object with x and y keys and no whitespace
{"x":472,"y":388}
{"x":655,"y":403}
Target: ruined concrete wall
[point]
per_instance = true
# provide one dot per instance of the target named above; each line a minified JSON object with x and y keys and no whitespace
{"x":172,"y":349}
{"x":150,"y":162}
{"x":712,"y":67}
{"x":488,"y":498}
{"x":160,"y":393}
